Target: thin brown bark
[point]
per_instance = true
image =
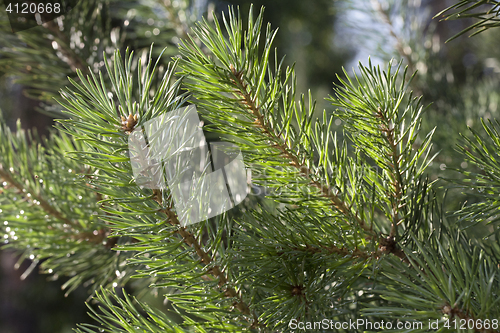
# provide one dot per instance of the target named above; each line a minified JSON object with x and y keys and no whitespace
{"x":205,"y":258}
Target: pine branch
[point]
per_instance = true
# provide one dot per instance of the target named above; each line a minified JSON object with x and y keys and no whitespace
{"x":378,"y":126}
{"x":480,"y":150}
{"x":36,"y":196}
{"x":96,"y":236}
{"x":256,"y":101}
{"x":281,"y":145}
{"x":324,"y":255}
{"x":43,"y":203}
{"x":487,"y":13}
{"x":434,"y":284}
{"x":256,"y":110}
{"x":94,"y":112}
{"x":51,"y":217}
{"x":82,"y":235}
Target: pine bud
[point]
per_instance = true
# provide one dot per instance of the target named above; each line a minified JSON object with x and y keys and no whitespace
{"x":128,"y":124}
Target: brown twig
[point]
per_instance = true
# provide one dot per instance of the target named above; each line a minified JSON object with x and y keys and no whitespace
{"x":387,"y":130}
{"x":215,"y":270}
{"x":332,"y":249}
{"x":43,"y":203}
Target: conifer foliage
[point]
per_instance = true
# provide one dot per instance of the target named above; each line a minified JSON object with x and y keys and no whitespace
{"x":351,"y":227}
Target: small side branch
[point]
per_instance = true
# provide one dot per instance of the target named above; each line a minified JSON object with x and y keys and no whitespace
{"x":52,"y":211}
{"x":47,"y":207}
